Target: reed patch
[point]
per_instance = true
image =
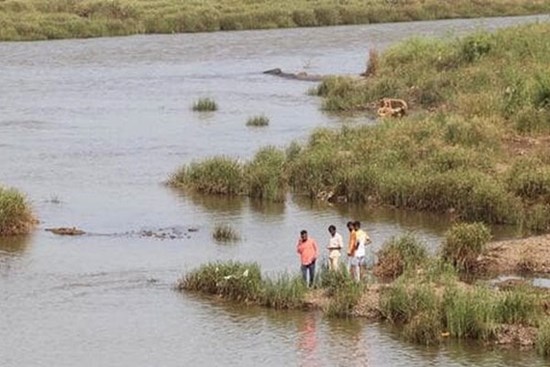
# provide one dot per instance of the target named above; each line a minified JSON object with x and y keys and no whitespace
{"x":205,"y":105}
{"x":15,"y":213}
{"x":258,"y":121}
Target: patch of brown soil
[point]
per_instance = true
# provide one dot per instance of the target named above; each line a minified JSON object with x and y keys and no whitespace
{"x":530,"y":254}
{"x":368,"y":306}
{"x":523,"y":145}
{"x":524,"y":336}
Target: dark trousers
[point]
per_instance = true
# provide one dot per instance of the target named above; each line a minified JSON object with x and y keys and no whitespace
{"x":311,"y":269}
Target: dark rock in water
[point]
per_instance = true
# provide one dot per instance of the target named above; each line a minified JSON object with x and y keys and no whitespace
{"x":297,"y":76}
{"x":192,"y":229}
{"x":65,"y":231}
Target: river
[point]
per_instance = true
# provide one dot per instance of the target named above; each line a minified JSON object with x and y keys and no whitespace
{"x":90,"y":130}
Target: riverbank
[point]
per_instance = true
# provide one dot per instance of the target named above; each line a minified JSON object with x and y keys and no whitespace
{"x":473,"y":147}
{"x":23,"y":20}
{"x":425,"y":296}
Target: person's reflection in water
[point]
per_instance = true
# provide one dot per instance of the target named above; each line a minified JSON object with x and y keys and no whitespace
{"x":348,"y":344}
{"x":307,"y":341}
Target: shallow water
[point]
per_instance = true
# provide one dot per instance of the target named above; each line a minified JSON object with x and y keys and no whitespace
{"x":90,"y":129}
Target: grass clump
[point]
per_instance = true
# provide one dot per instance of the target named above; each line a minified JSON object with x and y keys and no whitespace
{"x":463,"y":243}
{"x":243,"y":282}
{"x":258,"y":121}
{"x":344,"y":292}
{"x":38,"y":19}
{"x":15,"y":213}
{"x":205,"y":105}
{"x":542,"y":343}
{"x":215,"y":176}
{"x":231,"y":280}
{"x":284,"y":292}
{"x":225,"y":233}
{"x":398,"y":254}
{"x":264,"y":175}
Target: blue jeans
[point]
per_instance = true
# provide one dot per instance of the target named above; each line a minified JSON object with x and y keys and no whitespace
{"x":311,"y":269}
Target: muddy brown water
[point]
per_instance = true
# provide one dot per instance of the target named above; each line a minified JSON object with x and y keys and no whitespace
{"x":91,"y":128}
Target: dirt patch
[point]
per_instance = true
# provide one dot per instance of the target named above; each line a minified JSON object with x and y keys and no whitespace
{"x":524,"y":145}
{"x":530,"y":254}
{"x":368,"y":306}
{"x":524,"y":336}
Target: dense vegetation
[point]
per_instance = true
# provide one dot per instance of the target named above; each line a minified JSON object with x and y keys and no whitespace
{"x":476,"y":144}
{"x":15,"y":213}
{"x":54,"y":19}
{"x":427,"y":300}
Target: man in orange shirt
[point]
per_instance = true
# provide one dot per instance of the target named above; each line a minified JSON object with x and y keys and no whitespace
{"x":352,"y":247}
{"x":308,"y":251}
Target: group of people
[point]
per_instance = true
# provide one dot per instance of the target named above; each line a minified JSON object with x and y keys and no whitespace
{"x":359,"y":251}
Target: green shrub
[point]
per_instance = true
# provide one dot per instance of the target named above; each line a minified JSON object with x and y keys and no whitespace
{"x":464,"y":243}
{"x":205,"y":105}
{"x":265,"y":177}
{"x":477,"y":45}
{"x":400,"y":253}
{"x":15,"y":214}
{"x":217,"y":175}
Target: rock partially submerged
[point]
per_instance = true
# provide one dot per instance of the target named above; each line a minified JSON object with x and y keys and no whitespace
{"x":297,"y":76}
{"x":66,"y":231}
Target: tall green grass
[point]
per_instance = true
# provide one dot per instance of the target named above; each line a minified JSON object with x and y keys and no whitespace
{"x":466,"y":152}
{"x":244,"y":282}
{"x":463,"y":243}
{"x":542,"y":343}
{"x":261,"y":178}
{"x":37,"y":19}
{"x":341,"y":288}
{"x":400,"y":253}
{"x":15,"y":213}
{"x":426,"y":309}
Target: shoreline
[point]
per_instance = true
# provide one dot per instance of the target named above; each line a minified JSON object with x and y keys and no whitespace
{"x":31,"y":20}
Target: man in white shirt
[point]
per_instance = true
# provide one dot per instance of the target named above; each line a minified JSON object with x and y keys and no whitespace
{"x":335,"y":245}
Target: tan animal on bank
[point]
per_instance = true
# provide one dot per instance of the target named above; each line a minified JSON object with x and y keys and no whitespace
{"x":392,"y":107}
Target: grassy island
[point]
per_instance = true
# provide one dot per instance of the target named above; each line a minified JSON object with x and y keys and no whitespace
{"x":424,"y":296}
{"x":15,"y":214}
{"x":42,"y":20}
{"x":475,"y":144}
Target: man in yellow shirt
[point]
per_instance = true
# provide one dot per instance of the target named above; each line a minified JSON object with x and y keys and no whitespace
{"x":352,"y":246}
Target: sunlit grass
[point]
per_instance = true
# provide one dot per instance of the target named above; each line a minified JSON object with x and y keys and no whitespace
{"x":39,"y":20}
